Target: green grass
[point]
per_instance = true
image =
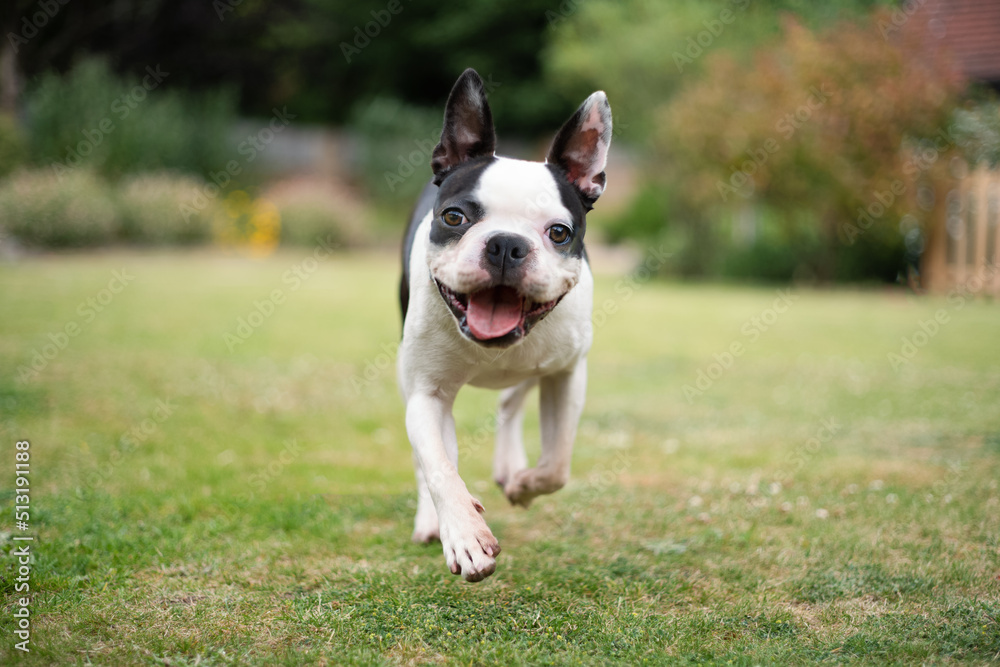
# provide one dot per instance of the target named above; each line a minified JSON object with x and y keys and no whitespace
{"x":266,"y":518}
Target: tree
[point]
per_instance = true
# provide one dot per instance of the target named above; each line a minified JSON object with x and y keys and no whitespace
{"x":833,"y":131}
{"x":321,"y":57}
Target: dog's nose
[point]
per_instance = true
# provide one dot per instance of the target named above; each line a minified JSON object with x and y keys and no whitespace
{"x":507,"y":251}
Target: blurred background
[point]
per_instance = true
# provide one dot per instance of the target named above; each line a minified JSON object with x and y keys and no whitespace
{"x":790,"y":453}
{"x":773,"y":140}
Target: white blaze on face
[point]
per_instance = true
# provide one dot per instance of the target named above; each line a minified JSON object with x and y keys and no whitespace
{"x":518,"y":197}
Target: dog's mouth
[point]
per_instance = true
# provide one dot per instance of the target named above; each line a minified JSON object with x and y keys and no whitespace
{"x":498,"y":315}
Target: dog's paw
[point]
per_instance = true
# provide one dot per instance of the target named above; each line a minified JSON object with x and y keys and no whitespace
{"x":501,"y":477}
{"x":426,"y":535}
{"x":469,"y":547}
{"x":425,"y":524}
{"x":526,"y":485}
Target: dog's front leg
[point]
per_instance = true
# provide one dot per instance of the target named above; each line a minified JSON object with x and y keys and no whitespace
{"x":561,"y":403}
{"x":469,"y":547}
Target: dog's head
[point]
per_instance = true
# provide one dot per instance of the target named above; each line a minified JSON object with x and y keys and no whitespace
{"x":506,"y":240}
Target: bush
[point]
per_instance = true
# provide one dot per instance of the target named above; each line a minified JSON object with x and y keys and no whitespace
{"x":40,"y":208}
{"x":825,"y":122}
{"x":90,"y":117}
{"x":313,"y":210}
{"x":150,"y":207}
{"x":13,"y":148}
{"x":978,"y":131}
{"x":396,"y":144}
{"x":645,"y":218}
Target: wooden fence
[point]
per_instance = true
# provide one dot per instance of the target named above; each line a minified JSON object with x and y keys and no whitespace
{"x":966,"y":255}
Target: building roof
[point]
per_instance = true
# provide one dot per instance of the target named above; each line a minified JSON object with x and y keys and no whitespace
{"x":968,"y":29}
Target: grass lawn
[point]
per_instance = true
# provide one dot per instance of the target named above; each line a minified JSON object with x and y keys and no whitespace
{"x":204,"y":497}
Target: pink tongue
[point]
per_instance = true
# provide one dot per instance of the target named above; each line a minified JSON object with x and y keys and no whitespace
{"x":493,"y":312}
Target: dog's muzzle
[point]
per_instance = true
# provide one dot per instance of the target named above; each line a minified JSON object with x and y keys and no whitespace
{"x":496,"y":316}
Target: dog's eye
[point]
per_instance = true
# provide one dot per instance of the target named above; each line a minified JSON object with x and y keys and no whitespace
{"x":559,"y":234}
{"x":453,"y":217}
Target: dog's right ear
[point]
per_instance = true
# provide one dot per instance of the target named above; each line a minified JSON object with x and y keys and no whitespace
{"x":468,"y":126}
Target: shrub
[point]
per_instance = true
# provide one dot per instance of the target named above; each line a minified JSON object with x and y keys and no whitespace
{"x":978,"y":131}
{"x":645,"y":218}
{"x":311,"y":211}
{"x":13,"y":148}
{"x":40,"y":208}
{"x":826,"y":122}
{"x":150,"y":207}
{"x":396,"y":144}
{"x":91,"y":117}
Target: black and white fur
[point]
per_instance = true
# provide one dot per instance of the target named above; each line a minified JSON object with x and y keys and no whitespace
{"x":491,"y":235}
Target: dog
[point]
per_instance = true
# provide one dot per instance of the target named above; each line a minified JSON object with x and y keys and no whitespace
{"x":497,"y":292}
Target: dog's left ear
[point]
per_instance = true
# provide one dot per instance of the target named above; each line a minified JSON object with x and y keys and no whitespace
{"x":468,"y":126}
{"x":581,"y":147}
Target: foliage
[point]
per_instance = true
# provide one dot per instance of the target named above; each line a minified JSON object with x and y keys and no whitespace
{"x":321,"y":58}
{"x":839,"y":123}
{"x":317,"y":215}
{"x":642,"y":52}
{"x":73,"y":210}
{"x":645,"y":217}
{"x":151,"y":210}
{"x":93,"y":118}
{"x":395,"y":148}
{"x":346,"y":54}
{"x":978,"y":132}
{"x":13,"y":147}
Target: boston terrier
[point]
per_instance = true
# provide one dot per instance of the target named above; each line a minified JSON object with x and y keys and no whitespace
{"x":497,"y":292}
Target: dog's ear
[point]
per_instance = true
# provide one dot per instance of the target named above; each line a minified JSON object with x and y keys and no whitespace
{"x":468,"y":126}
{"x":581,"y":147}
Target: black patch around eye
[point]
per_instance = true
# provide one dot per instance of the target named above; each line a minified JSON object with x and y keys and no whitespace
{"x":456,"y":192}
{"x":442,"y":233}
{"x":571,"y":200}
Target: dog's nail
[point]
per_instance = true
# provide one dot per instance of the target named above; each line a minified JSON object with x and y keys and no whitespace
{"x":479,"y":506}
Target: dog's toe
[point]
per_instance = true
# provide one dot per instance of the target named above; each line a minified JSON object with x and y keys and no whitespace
{"x":471,"y":550}
{"x":472,"y":560}
{"x":517,"y":493}
{"x":426,"y":536}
